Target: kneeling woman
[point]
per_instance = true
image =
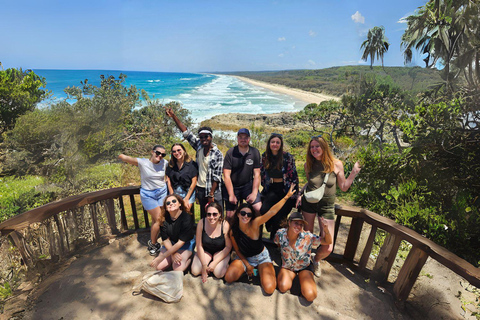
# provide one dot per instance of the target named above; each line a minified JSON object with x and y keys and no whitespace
{"x":296,"y":248}
{"x":248,"y":244}
{"x":213,"y":244}
{"x":177,"y":232}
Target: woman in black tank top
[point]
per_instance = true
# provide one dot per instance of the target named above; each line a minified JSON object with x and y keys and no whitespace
{"x":213,"y":244}
{"x":247,"y":242}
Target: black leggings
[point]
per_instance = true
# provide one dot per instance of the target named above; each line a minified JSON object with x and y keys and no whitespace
{"x":275,"y":194}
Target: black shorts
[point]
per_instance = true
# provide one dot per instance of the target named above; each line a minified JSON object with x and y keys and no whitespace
{"x":241,"y":193}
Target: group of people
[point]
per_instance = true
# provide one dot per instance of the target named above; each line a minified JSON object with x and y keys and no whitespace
{"x":232,"y":183}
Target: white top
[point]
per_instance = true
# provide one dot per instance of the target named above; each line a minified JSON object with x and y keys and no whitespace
{"x":152,"y":175}
{"x":202,"y":169}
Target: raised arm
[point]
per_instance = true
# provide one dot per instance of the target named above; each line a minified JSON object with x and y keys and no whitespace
{"x":171,"y":114}
{"x":345,"y":183}
{"x":128,"y":159}
{"x":257,"y":222}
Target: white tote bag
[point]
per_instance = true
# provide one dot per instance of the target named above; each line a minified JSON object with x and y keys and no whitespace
{"x":167,"y":285}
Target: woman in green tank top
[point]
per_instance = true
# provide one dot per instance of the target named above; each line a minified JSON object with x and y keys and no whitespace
{"x":320,"y":162}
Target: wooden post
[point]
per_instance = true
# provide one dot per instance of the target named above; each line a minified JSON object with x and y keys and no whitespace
{"x":19,"y":242}
{"x":385,"y":258}
{"x":123,"y":218}
{"x":110,"y":212}
{"x":134,"y":211}
{"x":353,"y":238}
{"x":61,"y":236}
{"x":409,"y":273}
{"x":93,"y":213}
{"x":145,"y":216}
{"x":368,"y":249}
{"x":337,"y":227}
{"x":51,"y":241}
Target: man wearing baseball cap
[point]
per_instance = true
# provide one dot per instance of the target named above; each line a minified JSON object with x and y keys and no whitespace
{"x":210,"y":163}
{"x":241,"y":174}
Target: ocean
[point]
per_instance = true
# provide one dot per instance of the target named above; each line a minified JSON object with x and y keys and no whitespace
{"x":204,"y":95}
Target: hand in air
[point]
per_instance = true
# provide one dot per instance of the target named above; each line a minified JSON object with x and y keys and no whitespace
{"x":291,"y":191}
{"x":169,"y":112}
{"x":356,"y":168}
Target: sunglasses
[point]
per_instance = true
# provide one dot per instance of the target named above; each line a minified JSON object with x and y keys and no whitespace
{"x":319,"y":136}
{"x":276,"y":135}
{"x":170,"y":202}
{"x":245,"y":213}
{"x":214,"y":214}
{"x":158,"y":153}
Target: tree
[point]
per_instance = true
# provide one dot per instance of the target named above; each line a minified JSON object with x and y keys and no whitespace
{"x":20,"y":91}
{"x":447,"y":33}
{"x":375,"y":45}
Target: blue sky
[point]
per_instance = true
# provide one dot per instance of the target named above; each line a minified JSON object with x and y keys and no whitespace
{"x":196,"y":36}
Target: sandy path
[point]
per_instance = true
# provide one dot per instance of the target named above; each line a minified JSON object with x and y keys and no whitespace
{"x":305,"y":96}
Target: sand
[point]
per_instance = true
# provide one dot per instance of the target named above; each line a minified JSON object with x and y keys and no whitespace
{"x":302,"y":95}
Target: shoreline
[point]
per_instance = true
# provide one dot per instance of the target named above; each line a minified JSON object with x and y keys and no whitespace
{"x":302,"y":95}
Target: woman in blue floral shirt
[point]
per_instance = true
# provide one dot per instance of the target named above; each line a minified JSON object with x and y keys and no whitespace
{"x":296,"y":248}
{"x":278,"y":173}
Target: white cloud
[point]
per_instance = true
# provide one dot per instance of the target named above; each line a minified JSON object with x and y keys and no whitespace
{"x":312,"y":33}
{"x":281,"y":39}
{"x":358,"y":18}
{"x":311,"y":62}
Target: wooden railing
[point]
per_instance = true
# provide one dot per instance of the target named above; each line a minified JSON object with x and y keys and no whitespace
{"x":56,"y":230}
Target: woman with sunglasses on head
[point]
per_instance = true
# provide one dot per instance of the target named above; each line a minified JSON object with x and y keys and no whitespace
{"x":321,"y":168}
{"x":296,"y":248}
{"x":153,"y":189}
{"x":182,"y":175}
{"x":177,"y":234}
{"x":248,"y":244}
{"x":278,"y":172}
{"x":213,"y":244}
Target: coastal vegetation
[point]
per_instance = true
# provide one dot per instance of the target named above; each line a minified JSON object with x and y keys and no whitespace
{"x":415,"y":131}
{"x":338,"y":80}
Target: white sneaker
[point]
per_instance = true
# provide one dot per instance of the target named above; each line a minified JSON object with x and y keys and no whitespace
{"x":317,"y":270}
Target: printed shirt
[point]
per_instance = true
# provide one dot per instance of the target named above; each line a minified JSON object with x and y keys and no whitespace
{"x":297,"y":258}
{"x":289,"y":171}
{"x":215,"y":161}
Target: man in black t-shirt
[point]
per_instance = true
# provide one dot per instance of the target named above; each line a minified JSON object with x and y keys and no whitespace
{"x":241,"y":174}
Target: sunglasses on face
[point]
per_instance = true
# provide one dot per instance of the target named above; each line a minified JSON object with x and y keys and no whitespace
{"x":214,"y":214}
{"x":245,"y":213}
{"x":158,"y":153}
{"x":175,"y":151}
{"x":170,"y":202}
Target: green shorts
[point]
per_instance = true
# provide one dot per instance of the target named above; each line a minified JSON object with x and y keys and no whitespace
{"x":324,"y":208}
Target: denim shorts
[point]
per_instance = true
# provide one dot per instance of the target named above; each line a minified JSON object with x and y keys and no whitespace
{"x":187,"y":246}
{"x":260,"y":258}
{"x":153,"y":198}
{"x":182,"y":193}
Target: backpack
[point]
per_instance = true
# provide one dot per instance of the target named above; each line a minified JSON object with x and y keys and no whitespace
{"x":168,"y":286}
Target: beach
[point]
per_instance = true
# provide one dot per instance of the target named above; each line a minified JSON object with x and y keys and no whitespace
{"x":305,"y":96}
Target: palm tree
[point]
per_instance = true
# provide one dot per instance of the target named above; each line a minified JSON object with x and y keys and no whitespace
{"x":376,"y":44}
{"x":446,"y":32}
